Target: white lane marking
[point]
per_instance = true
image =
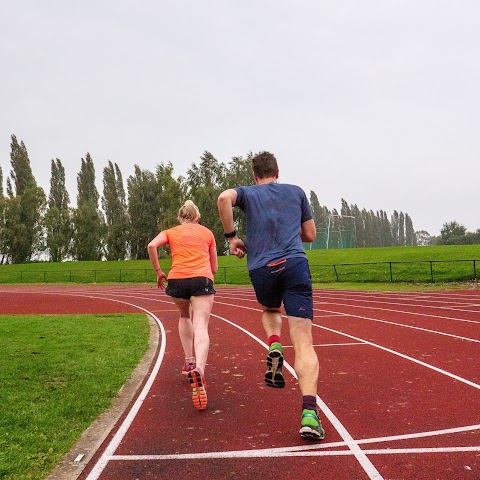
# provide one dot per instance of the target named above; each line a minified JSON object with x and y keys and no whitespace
{"x":439,"y":370}
{"x":334,"y":313}
{"x":417,"y":314}
{"x":366,"y":464}
{"x":328,"y":453}
{"x":387,"y":301}
{"x":112,"y":446}
{"x":272,"y":452}
{"x":344,"y":344}
{"x":405,"y":326}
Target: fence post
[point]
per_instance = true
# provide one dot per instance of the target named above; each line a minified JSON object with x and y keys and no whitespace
{"x":474,"y":270}
{"x":335,"y":268}
{"x":391,"y":277}
{"x":431,"y":270}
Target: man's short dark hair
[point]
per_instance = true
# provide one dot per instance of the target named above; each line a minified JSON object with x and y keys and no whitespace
{"x":264,"y":165}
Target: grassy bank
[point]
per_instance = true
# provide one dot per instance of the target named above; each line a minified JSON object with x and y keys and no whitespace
{"x":449,"y":263}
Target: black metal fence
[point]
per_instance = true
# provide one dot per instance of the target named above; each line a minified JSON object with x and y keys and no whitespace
{"x":421,"y":271}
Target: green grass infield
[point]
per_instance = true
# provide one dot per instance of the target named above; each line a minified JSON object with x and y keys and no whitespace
{"x":59,"y":372}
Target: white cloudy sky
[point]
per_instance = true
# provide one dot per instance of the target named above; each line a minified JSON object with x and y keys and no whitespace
{"x":374,"y":101}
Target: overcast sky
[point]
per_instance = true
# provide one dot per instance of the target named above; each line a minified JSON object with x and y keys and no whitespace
{"x":373,"y":101}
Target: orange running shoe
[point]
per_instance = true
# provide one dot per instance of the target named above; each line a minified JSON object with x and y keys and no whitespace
{"x":199,"y":389}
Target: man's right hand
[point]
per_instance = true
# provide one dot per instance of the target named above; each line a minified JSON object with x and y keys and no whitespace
{"x":237,"y":247}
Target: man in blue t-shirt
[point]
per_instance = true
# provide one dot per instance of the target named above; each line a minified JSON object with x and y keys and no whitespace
{"x":279,"y":219}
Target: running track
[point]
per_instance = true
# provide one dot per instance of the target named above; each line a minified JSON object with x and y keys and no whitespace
{"x":399,"y":389}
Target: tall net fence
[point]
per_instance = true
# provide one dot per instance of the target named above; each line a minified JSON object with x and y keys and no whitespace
{"x":338,"y":233}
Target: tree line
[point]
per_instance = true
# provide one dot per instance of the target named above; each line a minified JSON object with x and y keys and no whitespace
{"x":119,"y":223}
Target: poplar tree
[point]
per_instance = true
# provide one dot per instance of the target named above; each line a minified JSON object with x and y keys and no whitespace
{"x":115,"y":207}
{"x":24,"y":207}
{"x":401,"y":229}
{"x":395,"y":228}
{"x":87,"y":219}
{"x":143,"y":211}
{"x":359,"y":226}
{"x":58,"y":218}
{"x":410,"y":237}
{"x":320,"y":213}
{"x":3,"y":249}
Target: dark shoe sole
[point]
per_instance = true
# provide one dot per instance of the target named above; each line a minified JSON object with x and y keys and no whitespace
{"x":274,"y":376}
{"x":199,"y":389}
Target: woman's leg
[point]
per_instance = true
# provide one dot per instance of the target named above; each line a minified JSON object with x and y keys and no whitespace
{"x":185,"y":327}
{"x":201,"y":310}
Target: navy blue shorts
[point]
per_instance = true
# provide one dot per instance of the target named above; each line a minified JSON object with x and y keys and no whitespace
{"x":288,"y":281}
{"x":189,"y":287}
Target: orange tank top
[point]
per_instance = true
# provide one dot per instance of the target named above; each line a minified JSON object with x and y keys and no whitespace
{"x":190,"y":245}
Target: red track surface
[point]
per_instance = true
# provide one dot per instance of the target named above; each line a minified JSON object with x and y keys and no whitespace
{"x":399,"y":389}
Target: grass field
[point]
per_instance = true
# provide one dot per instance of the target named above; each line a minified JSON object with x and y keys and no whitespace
{"x":435,"y":264}
{"x":50,"y":365}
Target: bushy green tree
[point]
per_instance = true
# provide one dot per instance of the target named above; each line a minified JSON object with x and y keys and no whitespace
{"x":204,"y":184}
{"x":143,"y":211}
{"x":170,"y":195}
{"x":423,"y":238}
{"x":238,"y":173}
{"x":453,"y":233}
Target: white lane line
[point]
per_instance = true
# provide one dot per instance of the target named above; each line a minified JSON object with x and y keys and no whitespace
{"x":272,"y":452}
{"x":439,"y":370}
{"x":417,"y":314}
{"x":330,"y":344}
{"x":115,"y":442}
{"x":366,"y":464}
{"x":334,"y":313}
{"x":322,"y":453}
{"x":407,"y":326}
{"x":456,"y":307}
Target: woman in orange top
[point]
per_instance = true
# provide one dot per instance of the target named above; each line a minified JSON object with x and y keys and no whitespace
{"x":190,"y":284}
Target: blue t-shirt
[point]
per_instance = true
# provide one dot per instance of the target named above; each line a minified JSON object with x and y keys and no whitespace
{"x":274,"y":214}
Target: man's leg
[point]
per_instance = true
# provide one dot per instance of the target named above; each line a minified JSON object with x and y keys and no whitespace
{"x":306,"y":368}
{"x":306,"y":360}
{"x":272,"y":324}
{"x":272,"y":321}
